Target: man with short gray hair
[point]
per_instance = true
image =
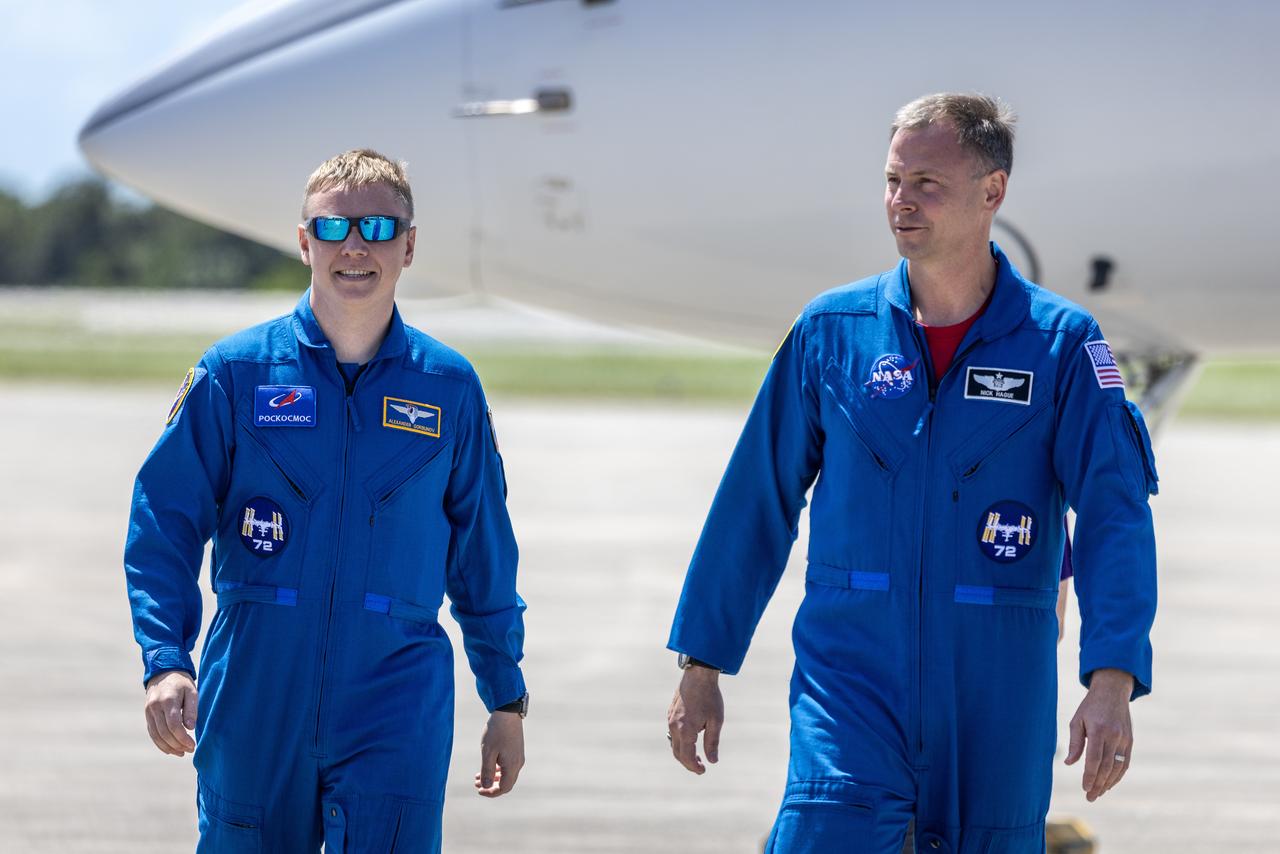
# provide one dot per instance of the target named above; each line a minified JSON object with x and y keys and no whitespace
{"x":950,"y":412}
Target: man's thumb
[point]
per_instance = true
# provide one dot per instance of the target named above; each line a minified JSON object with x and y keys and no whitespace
{"x":1076,"y":748}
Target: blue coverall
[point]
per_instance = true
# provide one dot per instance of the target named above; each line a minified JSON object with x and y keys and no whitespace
{"x":340,"y":515}
{"x":925,"y":677}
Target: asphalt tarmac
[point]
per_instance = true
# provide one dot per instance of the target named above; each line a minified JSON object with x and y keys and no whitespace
{"x":607,"y":503}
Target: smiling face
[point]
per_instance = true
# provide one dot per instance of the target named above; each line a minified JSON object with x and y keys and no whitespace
{"x":939,"y":199}
{"x":355,"y":270}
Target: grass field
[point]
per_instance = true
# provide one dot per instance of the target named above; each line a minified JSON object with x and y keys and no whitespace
{"x":1225,"y":389}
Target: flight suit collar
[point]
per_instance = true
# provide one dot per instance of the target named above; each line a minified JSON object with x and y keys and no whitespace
{"x":309,"y":333}
{"x":1010,"y":303}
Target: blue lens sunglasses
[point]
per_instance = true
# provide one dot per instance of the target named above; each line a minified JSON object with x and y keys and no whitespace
{"x":375,"y":229}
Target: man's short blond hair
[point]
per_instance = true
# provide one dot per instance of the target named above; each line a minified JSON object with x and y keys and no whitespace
{"x":360,"y":167}
{"x":984,"y":125}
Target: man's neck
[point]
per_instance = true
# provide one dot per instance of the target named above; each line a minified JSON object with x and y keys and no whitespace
{"x":355,"y":329}
{"x":948,"y":291}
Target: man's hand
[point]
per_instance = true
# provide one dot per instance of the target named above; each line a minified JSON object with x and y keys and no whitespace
{"x":1103,"y":721}
{"x":170,"y":708}
{"x":697,"y":706}
{"x":501,"y":754}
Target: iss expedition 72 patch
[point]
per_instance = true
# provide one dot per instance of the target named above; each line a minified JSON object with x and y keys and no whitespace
{"x":264,"y":529}
{"x":1007,"y":531}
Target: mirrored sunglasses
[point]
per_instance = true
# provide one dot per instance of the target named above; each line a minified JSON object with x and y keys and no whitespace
{"x":375,"y":229}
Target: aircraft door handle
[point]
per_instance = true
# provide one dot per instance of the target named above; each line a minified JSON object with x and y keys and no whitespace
{"x":543,"y":101}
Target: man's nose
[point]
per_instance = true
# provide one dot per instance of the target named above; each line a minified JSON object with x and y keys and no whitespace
{"x":901,"y":201}
{"x":355,"y":243}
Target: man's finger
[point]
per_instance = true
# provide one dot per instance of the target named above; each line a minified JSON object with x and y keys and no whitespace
{"x":190,"y":701}
{"x":1097,"y":766}
{"x":711,"y":739}
{"x":686,"y":751}
{"x":1119,"y":769}
{"x":508,"y":780}
{"x":488,"y":765}
{"x":160,"y":731}
{"x":173,"y":721}
{"x":155,"y":736}
{"x":1077,"y":742}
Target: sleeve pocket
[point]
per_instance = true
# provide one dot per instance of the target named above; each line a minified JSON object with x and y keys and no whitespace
{"x":1138,"y":461}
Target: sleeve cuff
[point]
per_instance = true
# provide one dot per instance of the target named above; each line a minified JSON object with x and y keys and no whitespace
{"x":1091,"y":660}
{"x":165,"y":658}
{"x":499,"y":692}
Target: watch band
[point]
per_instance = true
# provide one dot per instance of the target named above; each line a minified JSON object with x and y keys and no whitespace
{"x":519,"y":707}
{"x":684,"y":662}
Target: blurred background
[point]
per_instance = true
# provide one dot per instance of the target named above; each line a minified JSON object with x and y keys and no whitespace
{"x":614,"y":441}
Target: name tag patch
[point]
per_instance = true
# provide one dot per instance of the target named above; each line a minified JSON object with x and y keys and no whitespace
{"x":284,"y":406}
{"x":999,"y":384}
{"x":421,"y":418}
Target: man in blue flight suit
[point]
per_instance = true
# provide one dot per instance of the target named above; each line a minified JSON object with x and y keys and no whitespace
{"x":925,"y":678}
{"x":345,"y":466}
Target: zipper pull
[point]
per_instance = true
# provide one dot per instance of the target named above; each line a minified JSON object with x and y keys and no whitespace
{"x":353,"y":413}
{"x":924,"y":418}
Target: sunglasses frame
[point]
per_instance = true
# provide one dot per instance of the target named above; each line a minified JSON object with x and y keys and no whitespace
{"x":400,"y":224}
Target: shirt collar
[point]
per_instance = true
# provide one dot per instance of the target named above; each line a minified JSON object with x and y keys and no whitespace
{"x":309,"y":333}
{"x":1010,"y":301}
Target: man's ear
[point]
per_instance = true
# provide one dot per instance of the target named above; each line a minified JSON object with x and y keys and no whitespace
{"x":304,"y":245}
{"x":410,"y":236}
{"x":996,"y":183}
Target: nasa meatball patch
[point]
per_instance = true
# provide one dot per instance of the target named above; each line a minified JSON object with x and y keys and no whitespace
{"x":891,"y":376}
{"x":284,"y":406}
{"x":1003,"y":385}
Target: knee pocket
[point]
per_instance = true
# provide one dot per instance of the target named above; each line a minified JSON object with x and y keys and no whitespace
{"x":414,"y":827}
{"x":822,"y":816}
{"x":225,"y":825}
{"x":995,"y":840}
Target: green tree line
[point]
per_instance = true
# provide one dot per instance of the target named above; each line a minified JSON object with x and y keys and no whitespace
{"x":83,"y":236}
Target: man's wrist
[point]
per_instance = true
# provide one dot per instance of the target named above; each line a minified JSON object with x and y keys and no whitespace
{"x":1107,"y":678}
{"x":518,"y":707}
{"x":689,"y":664}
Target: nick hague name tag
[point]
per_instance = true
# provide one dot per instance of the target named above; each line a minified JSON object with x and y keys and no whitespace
{"x":1003,"y":385}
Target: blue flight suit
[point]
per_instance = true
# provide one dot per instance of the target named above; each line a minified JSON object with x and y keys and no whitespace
{"x":925,"y":678}
{"x":340,"y":516}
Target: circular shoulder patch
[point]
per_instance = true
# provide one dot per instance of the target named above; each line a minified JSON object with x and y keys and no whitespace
{"x":891,"y":376}
{"x":1007,"y":531}
{"x":264,"y":529}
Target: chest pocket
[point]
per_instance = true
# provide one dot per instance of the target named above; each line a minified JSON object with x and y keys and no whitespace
{"x":409,"y":534}
{"x":1008,"y":512}
{"x":264,"y":523}
{"x":854,"y":498}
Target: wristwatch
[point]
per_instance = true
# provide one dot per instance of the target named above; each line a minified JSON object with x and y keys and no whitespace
{"x":520,"y":707}
{"x":684,"y":662}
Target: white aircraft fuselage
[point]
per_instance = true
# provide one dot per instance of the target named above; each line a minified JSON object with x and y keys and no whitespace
{"x":709,"y":167}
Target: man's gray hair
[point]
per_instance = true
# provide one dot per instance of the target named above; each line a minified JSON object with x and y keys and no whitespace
{"x":984,"y":125}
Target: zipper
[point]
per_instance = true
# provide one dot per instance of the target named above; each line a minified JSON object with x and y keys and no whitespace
{"x":922,"y":345}
{"x":337,"y":553}
{"x":293,"y":485}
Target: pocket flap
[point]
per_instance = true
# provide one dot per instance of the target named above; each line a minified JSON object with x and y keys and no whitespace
{"x":866,"y":426}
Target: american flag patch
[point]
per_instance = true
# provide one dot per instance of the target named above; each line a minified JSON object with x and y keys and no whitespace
{"x":1104,"y":364}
